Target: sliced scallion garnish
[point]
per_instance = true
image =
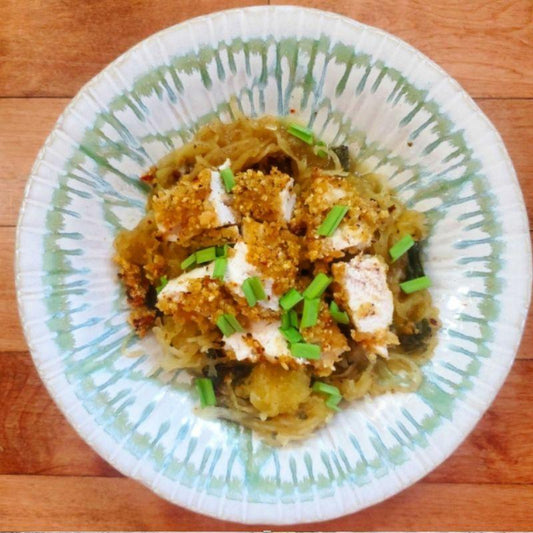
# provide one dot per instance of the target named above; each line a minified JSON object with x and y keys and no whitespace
{"x":316,"y":288}
{"x":331,"y":390}
{"x":206,"y":255}
{"x":333,"y":402}
{"x":228,"y":325}
{"x":285,"y":320}
{"x":188,"y":262}
{"x":332,"y":220}
{"x":416,"y":284}
{"x":305,"y":350}
{"x":293,"y":318}
{"x":219,"y":270}
{"x":291,"y":334}
{"x":302,"y":133}
{"x":228,"y":179}
{"x":257,"y":287}
{"x":339,"y":316}
{"x":310,"y":313}
{"x":399,"y":248}
{"x":163,"y":280}
{"x":222,"y":251}
{"x":233,"y":322}
{"x":248,"y":292}
{"x":206,"y":391}
{"x":290,"y":299}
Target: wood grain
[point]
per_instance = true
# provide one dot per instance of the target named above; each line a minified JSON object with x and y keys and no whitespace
{"x":35,"y":502}
{"x":54,"y":50}
{"x":486,"y":46}
{"x":497,"y":451}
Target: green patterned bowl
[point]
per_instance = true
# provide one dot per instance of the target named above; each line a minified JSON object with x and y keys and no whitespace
{"x":352,"y":84}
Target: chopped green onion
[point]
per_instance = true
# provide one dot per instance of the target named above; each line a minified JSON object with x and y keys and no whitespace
{"x":319,"y":151}
{"x":339,"y":316}
{"x":333,"y":402}
{"x":332,"y":220}
{"x":221,"y":264}
{"x":163,"y":280}
{"x":228,"y":178}
{"x":257,"y":287}
{"x":206,"y":255}
{"x":416,"y":284}
{"x":305,"y":350}
{"x":248,"y":292}
{"x":205,"y":389}
{"x":310,"y":313}
{"x":401,"y":247}
{"x":222,"y":251}
{"x":286,"y":320}
{"x":253,"y":290}
{"x":290,"y":299}
{"x":301,"y":132}
{"x":188,"y":262}
{"x":317,"y":286}
{"x":233,"y":322}
{"x":293,"y":318}
{"x":224,"y":326}
{"x":331,"y":390}
{"x":291,"y":334}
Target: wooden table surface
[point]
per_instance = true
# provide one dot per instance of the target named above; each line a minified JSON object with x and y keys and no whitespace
{"x":49,"y":478}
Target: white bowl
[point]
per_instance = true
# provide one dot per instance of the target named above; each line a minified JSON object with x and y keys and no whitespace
{"x":353,"y":84}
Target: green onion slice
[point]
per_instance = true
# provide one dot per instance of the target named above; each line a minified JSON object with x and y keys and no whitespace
{"x":228,"y":178}
{"x":305,"y":350}
{"x":317,"y":287}
{"x":228,"y":325}
{"x":206,"y":255}
{"x":332,"y":220}
{"x":339,"y":316}
{"x":249,"y":292}
{"x":293,"y":318}
{"x":222,"y":251}
{"x":290,"y":299}
{"x":188,"y":262}
{"x":257,"y":287}
{"x":205,"y":389}
{"x":291,"y":334}
{"x":401,"y":247}
{"x":163,"y":280}
{"x":310,"y":313}
{"x":285,"y":320}
{"x":302,"y":133}
{"x":331,"y":390}
{"x":416,"y":284}
{"x":233,"y":322}
{"x":333,"y":402}
{"x":221,"y":264}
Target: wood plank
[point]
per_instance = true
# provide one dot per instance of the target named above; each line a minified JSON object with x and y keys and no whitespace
{"x":497,"y":451}
{"x":73,"y":503}
{"x":54,"y":51}
{"x":35,"y":438}
{"x":486,"y":46}
{"x":12,"y":337}
{"x":25,"y":124}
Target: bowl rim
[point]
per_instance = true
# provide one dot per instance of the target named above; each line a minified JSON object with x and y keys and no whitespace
{"x":264,"y":515}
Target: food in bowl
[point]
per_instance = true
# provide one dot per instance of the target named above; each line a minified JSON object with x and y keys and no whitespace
{"x":282,"y":277}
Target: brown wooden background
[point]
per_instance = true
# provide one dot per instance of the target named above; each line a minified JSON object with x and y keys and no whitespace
{"x":49,"y":478}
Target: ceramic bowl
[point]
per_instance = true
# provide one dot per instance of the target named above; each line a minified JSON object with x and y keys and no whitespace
{"x":405,"y":119}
